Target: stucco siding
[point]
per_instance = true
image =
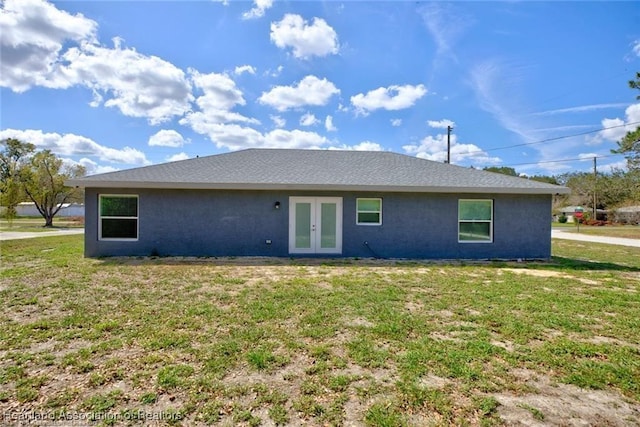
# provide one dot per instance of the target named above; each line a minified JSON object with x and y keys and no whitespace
{"x":239,"y":223}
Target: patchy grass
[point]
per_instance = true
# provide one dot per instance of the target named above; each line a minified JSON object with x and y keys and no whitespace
{"x":626,"y":231}
{"x":28,"y":224}
{"x":320,"y":342}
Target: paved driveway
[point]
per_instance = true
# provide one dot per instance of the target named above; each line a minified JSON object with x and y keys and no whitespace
{"x":571,"y":235}
{"x":13,"y":235}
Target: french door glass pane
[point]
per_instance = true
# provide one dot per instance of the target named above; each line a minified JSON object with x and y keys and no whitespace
{"x":303,"y":225}
{"x":328,"y":225}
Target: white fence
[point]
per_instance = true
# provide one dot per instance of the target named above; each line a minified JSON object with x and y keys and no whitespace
{"x":29,"y":209}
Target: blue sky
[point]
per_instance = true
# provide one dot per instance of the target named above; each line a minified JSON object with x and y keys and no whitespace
{"x":119,"y":84}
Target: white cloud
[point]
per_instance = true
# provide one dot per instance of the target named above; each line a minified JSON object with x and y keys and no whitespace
{"x":236,"y":137}
{"x":138,"y":85}
{"x":308,"y":119}
{"x":633,"y":114}
{"x":220,"y":91}
{"x":90,"y":167}
{"x":76,"y":145}
{"x":232,"y":136}
{"x":446,"y":24}
{"x":278,"y":121}
{"x":310,"y":91}
{"x":363,"y":146}
{"x":33,"y":34}
{"x":245,"y":69}
{"x":440,"y":124}
{"x":435,"y":148}
{"x":615,"y":129}
{"x":396,"y":122}
{"x":614,"y":166}
{"x":280,"y":138}
{"x":199,"y":118}
{"x":390,"y":98}
{"x":167,"y":138}
{"x":496,"y":87}
{"x":317,"y":39}
{"x":587,"y":156}
{"x":580,"y":109}
{"x":220,"y":96}
{"x":260,"y":6}
{"x":274,"y":73}
{"x":177,"y":157}
{"x":636,"y":47}
{"x":328,"y":124}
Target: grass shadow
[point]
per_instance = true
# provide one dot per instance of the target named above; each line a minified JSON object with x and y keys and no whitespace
{"x":555,"y":263}
{"x":580,"y":264}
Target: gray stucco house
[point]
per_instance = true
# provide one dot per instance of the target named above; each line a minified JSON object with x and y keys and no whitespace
{"x":275,"y":202}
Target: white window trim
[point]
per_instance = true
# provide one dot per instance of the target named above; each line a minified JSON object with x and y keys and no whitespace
{"x":359,"y":211}
{"x":480,"y":220}
{"x":100,"y":218}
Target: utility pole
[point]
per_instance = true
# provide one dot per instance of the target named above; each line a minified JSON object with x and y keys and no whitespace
{"x":595,"y":188}
{"x":449,"y":129}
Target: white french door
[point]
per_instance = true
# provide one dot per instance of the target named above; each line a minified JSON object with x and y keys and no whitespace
{"x":315,"y":225}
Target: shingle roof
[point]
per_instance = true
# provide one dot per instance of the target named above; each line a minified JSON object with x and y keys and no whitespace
{"x":263,"y":169}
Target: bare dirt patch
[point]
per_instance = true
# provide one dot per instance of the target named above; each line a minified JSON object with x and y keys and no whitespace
{"x":358,"y":322}
{"x":414,"y":306}
{"x":434,"y":381}
{"x":564,"y":405}
{"x":598,"y":339}
{"x":538,"y":273}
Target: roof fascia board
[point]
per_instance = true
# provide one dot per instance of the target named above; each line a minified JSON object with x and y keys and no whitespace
{"x":313,"y":187}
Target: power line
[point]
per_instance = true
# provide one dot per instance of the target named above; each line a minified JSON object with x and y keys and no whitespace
{"x":566,"y":160}
{"x":560,"y":137}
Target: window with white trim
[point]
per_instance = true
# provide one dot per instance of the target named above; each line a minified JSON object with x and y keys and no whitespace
{"x":475,"y":221}
{"x":369,"y":211}
{"x":118,"y":217}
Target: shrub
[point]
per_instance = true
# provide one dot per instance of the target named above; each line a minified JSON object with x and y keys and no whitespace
{"x":597,"y":223}
{"x":562,"y":219}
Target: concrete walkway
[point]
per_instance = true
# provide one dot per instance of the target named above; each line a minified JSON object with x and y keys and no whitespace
{"x":572,"y":235}
{"x":13,"y":235}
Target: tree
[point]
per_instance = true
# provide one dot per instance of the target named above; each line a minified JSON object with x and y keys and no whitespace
{"x":505,"y":170}
{"x":13,"y":159}
{"x":618,"y":188}
{"x":630,"y":144}
{"x":43,"y":182}
{"x":545,"y":178}
{"x":635,"y":84}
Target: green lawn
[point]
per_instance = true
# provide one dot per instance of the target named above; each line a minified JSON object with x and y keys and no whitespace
{"x":319,"y":342}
